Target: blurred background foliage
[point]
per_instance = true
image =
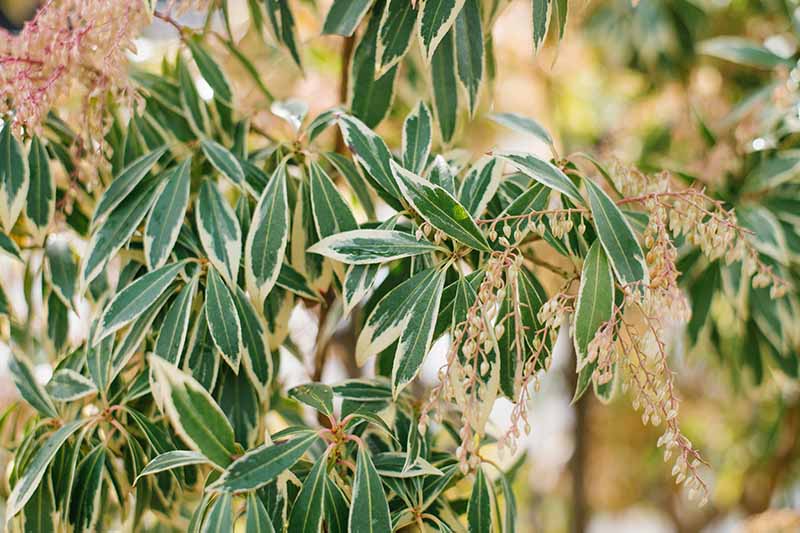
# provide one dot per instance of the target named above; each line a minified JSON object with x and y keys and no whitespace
{"x":629,"y":82}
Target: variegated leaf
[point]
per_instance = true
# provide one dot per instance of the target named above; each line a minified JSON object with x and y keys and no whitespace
{"x":219,"y":231}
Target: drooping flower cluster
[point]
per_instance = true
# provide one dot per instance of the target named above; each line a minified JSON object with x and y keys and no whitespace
{"x":71,"y":44}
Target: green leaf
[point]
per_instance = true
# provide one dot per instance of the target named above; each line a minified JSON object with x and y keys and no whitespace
{"x":331,"y":213}
{"x":223,"y":321}
{"x":510,"y":519}
{"x":125,"y":183}
{"x":282,"y":21}
{"x":258,"y":520}
{"x":172,"y":334}
{"x":369,"y":511}
{"x":258,"y":467}
{"x":398,"y":20}
{"x":66,"y":385}
{"x":309,"y":506}
{"x":617,"y":237}
{"x":344,"y":16}
{"x":134,"y":299}
{"x":594,"y":307}
{"x":437,"y":18}
{"x":440,"y":209}
{"x":445,"y":86}
{"x":541,"y":21}
{"x":256,"y":359}
{"x":169,"y":460}
{"x":85,"y":509}
{"x":480,"y":185}
{"x":194,"y":109}
{"x":265,"y":248}
{"x":469,"y":51}
{"x":223,"y":160}
{"x":210,"y":71}
{"x":522,"y":124}
{"x":336,"y":508}
{"x":41,"y":204}
{"x":369,"y":246}
{"x":14,"y":177}
{"x":415,"y":340}
{"x":315,"y":395}
{"x":348,"y":170}
{"x":370,"y":93}
{"x":62,"y":269}
{"x":396,"y":465}
{"x":363,"y":390}
{"x":202,"y":355}
{"x":479,"y":510}
{"x":772,"y":172}
{"x":195,"y":416}
{"x":392,"y":313}
{"x":40,"y":512}
{"x":371,"y":153}
{"x":57,"y":321}
{"x":9,"y":246}
{"x":359,"y":279}
{"x":114,"y":233}
{"x":220,"y":515}
{"x":742,"y":51}
{"x":293,"y":281}
{"x":32,"y":476}
{"x":164,"y":221}
{"x":545,"y":173}
{"x":532,"y":200}
{"x":417,"y":137}
{"x":99,"y":361}
{"x":219,"y":231}
{"x":29,"y":388}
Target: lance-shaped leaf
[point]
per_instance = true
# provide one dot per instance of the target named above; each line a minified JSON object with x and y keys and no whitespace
{"x":266,"y":241}
{"x":336,"y":508}
{"x":594,"y":307}
{"x":9,"y":246}
{"x":479,"y":509}
{"x":62,"y":269}
{"x":543,"y":172}
{"x":41,"y":204}
{"x":194,"y":109}
{"x":533,"y":200}
{"x":617,"y":237}
{"x":169,"y":460}
{"x":445,"y":87}
{"x":14,"y":177}
{"x":348,"y":170}
{"x":358,"y":279}
{"x":57,"y":321}
{"x":370,"y":93}
{"x":369,"y":246}
{"x":164,"y":221}
{"x":202,"y":358}
{"x":210,"y":71}
{"x":331,"y":213}
{"x":480,"y":185}
{"x":258,"y":467}
{"x":66,"y":385}
{"x":134,"y":299}
{"x":440,"y":209}
{"x":29,"y":388}
{"x":258,"y":520}
{"x":85,"y":504}
{"x":223,"y":160}
{"x":99,"y":361}
{"x":541,"y":21}
{"x":392,"y":313}
{"x":223,"y":321}
{"x":309,"y":507}
{"x":40,"y":513}
{"x":371,"y":153}
{"x":293,"y":281}
{"x":441,"y":174}
{"x":125,"y":182}
{"x":469,"y":51}
{"x":437,"y":18}
{"x":316,"y":395}
{"x":114,"y":233}
{"x":172,"y":334}
{"x":522,"y":124}
{"x":194,"y":414}
{"x":344,"y":16}
{"x":510,"y":515}
{"x":397,"y":465}
{"x":219,"y":231}
{"x":415,"y":340}
{"x":220,"y":515}
{"x":398,"y":21}
{"x":256,"y":358}
{"x":417,"y":138}
{"x":282,"y":20}
{"x":369,"y":511}
{"x":32,"y":476}
{"x":742,"y":51}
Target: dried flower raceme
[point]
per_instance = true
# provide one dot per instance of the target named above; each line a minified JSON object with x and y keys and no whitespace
{"x":71,"y":44}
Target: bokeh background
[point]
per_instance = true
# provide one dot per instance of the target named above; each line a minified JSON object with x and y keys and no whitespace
{"x":627,"y":82}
